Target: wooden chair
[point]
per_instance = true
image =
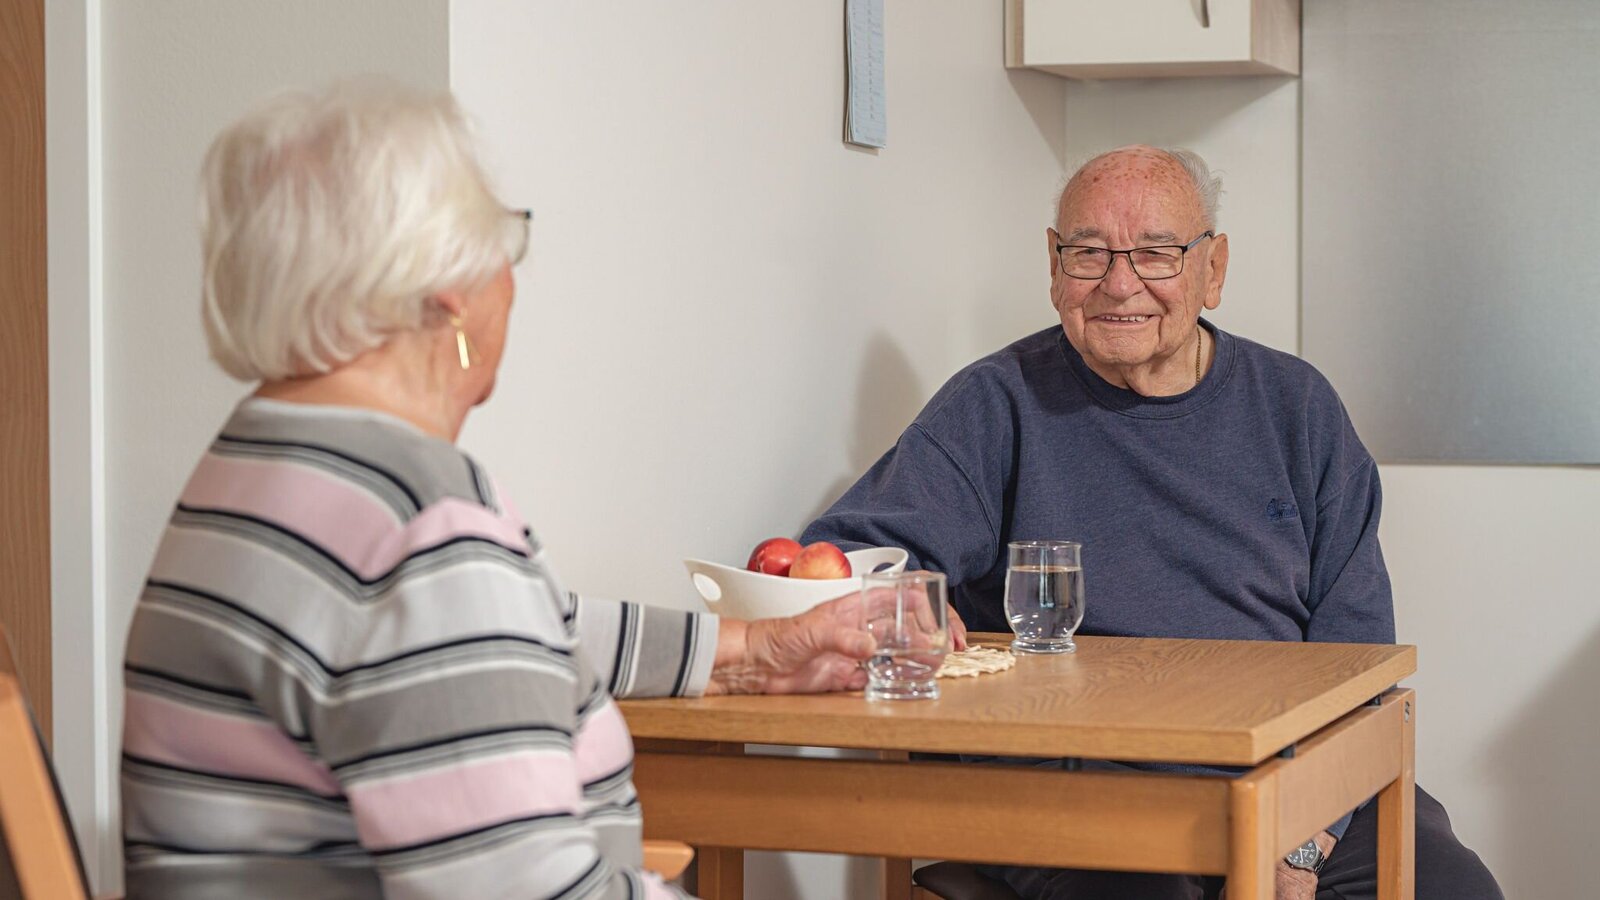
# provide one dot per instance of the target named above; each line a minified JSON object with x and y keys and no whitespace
{"x":957,"y":881}
{"x":667,"y":858}
{"x":38,"y":853}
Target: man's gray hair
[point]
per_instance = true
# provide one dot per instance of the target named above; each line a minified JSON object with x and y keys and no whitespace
{"x":1207,"y":184}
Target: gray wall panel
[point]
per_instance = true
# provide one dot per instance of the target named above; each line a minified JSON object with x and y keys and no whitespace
{"x":1451,"y":224}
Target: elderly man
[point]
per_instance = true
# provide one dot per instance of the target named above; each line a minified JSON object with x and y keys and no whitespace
{"x":1218,"y":485}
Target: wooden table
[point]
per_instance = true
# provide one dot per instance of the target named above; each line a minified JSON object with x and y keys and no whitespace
{"x":1321,"y":727}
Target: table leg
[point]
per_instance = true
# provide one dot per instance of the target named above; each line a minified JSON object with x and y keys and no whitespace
{"x":1253,"y":825}
{"x":717,"y":874}
{"x":1397,"y":817}
{"x":896,"y":879}
{"x":895,"y":883}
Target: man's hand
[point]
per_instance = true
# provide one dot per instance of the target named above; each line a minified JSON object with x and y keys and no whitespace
{"x":1294,"y":884}
{"x":1290,"y":883}
{"x":818,"y":650}
{"x":1299,"y":884}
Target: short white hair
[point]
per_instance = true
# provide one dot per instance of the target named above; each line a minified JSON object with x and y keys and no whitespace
{"x":1207,"y":184}
{"x":327,"y":220}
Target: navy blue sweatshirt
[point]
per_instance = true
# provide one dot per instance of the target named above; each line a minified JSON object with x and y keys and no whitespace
{"x":1245,"y":508}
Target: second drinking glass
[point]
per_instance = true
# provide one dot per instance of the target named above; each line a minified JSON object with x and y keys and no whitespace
{"x":1044,"y":595}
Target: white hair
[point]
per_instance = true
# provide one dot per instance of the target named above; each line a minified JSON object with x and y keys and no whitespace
{"x":1207,"y":184}
{"x":327,"y":220}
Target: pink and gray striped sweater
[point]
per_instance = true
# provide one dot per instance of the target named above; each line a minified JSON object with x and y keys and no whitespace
{"x":351,"y":673}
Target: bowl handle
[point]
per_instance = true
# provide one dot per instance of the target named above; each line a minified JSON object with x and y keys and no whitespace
{"x":705,"y":583}
{"x":875,"y":559}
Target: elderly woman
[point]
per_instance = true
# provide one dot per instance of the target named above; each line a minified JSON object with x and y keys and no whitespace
{"x":352,"y":671}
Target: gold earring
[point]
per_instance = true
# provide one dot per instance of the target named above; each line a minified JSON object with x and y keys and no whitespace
{"x":463,"y":346}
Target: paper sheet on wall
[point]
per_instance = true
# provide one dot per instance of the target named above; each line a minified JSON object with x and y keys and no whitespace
{"x":865,"y":116}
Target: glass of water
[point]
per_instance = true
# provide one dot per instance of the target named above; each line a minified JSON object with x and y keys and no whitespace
{"x":907,"y":614}
{"x":1044,"y":595}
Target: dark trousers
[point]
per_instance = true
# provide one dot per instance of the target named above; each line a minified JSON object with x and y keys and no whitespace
{"x":1446,"y":870}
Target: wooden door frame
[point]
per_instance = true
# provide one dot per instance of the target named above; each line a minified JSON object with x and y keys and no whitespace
{"x":25,"y":606}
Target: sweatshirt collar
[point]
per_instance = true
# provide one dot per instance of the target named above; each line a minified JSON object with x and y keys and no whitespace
{"x":1128,"y":403}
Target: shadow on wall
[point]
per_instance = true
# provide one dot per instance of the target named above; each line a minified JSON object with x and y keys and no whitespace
{"x":775,"y":876}
{"x":888,"y":397}
{"x":1542,"y":765}
{"x":1040,"y":93}
{"x":1188,"y":106}
{"x":774,"y":872}
{"x":798,"y":876}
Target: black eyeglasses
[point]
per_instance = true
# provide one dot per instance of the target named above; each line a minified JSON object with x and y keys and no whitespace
{"x":1149,"y":263}
{"x":520,"y":249}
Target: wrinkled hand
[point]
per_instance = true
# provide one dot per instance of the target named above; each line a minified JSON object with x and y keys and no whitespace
{"x":958,"y":630}
{"x":1289,"y":883}
{"x":819,"y":650}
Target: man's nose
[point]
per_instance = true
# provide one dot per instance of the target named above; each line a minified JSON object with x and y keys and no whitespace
{"x":1121,"y":280}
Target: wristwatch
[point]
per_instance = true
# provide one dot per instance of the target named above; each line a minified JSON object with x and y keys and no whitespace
{"x":1307,"y":856}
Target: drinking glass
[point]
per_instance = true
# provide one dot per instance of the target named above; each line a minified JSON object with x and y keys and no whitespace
{"x":1044,"y":595}
{"x":906,"y":613}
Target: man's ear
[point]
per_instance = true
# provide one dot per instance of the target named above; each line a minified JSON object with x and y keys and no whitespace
{"x":1216,"y":271}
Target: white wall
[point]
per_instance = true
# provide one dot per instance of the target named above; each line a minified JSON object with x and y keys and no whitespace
{"x":150,"y":84}
{"x":729,"y":314}
{"x":1492,"y":566}
{"x":1494,"y":581}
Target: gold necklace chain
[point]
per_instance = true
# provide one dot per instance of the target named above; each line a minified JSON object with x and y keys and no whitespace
{"x":1199,"y":341}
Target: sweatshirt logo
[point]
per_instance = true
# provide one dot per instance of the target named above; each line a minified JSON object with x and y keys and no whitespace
{"x":1278,"y":510}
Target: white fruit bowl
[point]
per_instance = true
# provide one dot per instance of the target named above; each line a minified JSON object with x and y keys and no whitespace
{"x":743,"y":594}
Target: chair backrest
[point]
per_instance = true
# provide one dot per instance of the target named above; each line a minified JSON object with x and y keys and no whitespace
{"x":38,"y":852}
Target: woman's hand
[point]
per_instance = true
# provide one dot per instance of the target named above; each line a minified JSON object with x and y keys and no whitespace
{"x":818,"y":650}
{"x":958,"y":630}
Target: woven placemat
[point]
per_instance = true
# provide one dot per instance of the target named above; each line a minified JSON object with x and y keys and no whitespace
{"x":975,"y":661}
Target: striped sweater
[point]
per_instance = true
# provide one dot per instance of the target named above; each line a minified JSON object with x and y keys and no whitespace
{"x":352,"y":674}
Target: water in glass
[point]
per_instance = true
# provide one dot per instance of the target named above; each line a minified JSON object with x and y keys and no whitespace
{"x":907,"y":615}
{"x":903,"y":673}
{"x":1044,"y":596}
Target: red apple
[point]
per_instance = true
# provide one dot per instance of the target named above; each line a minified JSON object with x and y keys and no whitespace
{"x":820,"y":560}
{"x":773,"y":556}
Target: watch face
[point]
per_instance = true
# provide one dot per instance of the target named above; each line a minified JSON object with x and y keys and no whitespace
{"x":1305,"y":856}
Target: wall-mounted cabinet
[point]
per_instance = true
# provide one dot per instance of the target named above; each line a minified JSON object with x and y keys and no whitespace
{"x":1153,"y":38}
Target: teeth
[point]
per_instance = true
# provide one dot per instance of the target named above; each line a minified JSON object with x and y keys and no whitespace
{"x":1125,"y":318}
